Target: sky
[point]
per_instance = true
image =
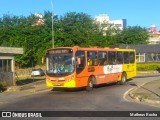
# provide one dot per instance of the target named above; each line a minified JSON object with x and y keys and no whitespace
{"x":143,"y":13}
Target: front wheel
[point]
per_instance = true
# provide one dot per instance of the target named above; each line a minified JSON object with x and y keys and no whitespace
{"x":123,"y":79}
{"x":90,"y":85}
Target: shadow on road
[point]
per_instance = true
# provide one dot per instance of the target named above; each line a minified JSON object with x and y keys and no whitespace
{"x":65,"y":90}
{"x":25,"y":81}
{"x":145,"y":76}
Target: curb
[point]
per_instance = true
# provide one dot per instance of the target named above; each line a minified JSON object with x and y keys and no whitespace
{"x":141,"y":98}
{"x":33,"y":87}
{"x":12,"y":88}
{"x":150,"y":72}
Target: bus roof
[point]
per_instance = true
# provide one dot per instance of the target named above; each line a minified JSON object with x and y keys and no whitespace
{"x":84,"y":48}
{"x":93,"y":48}
{"x":119,"y":49}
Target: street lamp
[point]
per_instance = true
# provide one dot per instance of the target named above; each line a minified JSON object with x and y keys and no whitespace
{"x":52,"y":26}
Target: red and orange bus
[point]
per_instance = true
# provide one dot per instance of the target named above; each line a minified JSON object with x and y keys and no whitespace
{"x":75,"y":67}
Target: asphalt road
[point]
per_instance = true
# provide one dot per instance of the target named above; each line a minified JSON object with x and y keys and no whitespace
{"x":103,"y":98}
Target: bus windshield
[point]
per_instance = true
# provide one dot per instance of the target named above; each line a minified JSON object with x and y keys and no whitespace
{"x":60,"y":64}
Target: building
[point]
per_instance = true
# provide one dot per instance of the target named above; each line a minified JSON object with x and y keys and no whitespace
{"x":121,"y":24}
{"x":145,"y":53}
{"x":154,"y":39}
{"x":39,"y":19}
{"x":103,"y":18}
{"x":154,"y":35}
{"x":7,"y":64}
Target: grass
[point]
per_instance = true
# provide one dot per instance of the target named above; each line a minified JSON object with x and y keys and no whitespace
{"x":3,"y":86}
{"x":143,"y":98}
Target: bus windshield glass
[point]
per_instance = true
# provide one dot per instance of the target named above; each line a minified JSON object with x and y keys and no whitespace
{"x":60,"y":63}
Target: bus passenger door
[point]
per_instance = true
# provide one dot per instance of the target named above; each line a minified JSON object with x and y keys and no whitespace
{"x":81,"y":78}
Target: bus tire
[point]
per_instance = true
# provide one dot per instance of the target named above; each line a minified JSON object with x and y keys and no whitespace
{"x":89,"y":87}
{"x":123,"y":78}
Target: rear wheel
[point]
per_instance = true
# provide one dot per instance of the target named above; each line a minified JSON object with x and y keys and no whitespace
{"x":90,"y":84}
{"x":123,"y":79}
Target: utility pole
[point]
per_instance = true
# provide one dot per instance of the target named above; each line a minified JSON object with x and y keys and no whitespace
{"x":52,"y":26}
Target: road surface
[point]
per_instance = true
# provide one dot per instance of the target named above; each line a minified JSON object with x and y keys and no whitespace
{"x":103,"y":98}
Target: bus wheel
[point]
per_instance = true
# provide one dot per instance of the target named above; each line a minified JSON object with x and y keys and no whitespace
{"x":90,"y":85}
{"x":123,"y":79}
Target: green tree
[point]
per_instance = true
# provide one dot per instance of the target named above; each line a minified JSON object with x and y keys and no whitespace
{"x":78,"y":29}
{"x":72,"y":29}
{"x":132,"y":35}
{"x":20,"y":32}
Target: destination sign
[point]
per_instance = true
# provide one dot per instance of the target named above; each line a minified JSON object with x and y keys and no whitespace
{"x":56,"y":51}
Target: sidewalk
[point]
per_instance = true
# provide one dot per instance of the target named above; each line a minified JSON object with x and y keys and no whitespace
{"x":31,"y":87}
{"x":149,"y":93}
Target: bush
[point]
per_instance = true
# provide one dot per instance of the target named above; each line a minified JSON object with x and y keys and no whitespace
{"x":3,"y":86}
{"x":148,"y":66}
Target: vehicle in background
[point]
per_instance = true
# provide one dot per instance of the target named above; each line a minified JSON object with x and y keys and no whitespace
{"x":37,"y":72}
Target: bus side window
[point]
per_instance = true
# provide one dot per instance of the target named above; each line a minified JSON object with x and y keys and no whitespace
{"x":92,"y":58}
{"x":126,"y":57}
{"x":119,"y":57}
{"x":112,"y":57}
{"x":131,"y":57}
{"x":102,"y":58}
{"x":81,"y":56}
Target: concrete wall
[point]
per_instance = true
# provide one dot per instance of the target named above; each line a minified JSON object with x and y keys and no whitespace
{"x":11,"y":50}
{"x":8,"y":53}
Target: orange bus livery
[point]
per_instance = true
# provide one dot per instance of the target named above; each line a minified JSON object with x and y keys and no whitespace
{"x":75,"y":67}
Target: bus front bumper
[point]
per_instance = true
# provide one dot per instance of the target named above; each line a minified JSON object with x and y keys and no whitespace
{"x":67,"y":84}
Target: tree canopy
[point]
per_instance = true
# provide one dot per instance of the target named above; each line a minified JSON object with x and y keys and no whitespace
{"x":132,"y":35}
{"x":72,"y":29}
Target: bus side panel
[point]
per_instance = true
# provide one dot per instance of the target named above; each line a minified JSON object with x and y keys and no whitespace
{"x":99,"y":75}
{"x":108,"y":73}
{"x":81,"y":81}
{"x":113,"y":72}
{"x":82,"y":78}
{"x":130,"y":70}
{"x":96,"y":71}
